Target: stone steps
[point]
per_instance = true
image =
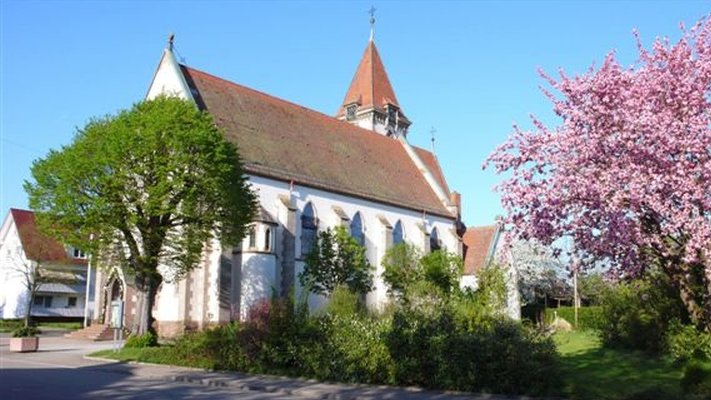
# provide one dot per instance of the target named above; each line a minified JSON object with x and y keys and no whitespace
{"x":95,"y":332}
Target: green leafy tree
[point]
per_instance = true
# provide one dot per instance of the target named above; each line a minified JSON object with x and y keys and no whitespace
{"x":408,"y":273}
{"x":401,"y":268}
{"x":336,"y":260}
{"x":443,"y":269}
{"x":154,"y":184}
{"x":592,"y":287}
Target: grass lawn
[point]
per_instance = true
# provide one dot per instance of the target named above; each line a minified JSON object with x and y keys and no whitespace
{"x":61,"y":325}
{"x":591,"y":372}
{"x":154,"y":355}
{"x":12,"y":324}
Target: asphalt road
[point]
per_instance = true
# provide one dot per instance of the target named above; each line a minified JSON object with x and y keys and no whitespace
{"x":58,"y":371}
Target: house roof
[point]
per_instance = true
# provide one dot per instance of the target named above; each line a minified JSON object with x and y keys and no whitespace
{"x":479,"y":243}
{"x":288,"y":142}
{"x":38,"y":246}
{"x":61,"y":288}
{"x":370,"y":87}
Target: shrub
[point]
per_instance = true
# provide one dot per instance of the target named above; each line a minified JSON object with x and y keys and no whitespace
{"x":148,"y":339}
{"x":355,"y":350}
{"x":26,"y":331}
{"x":280,"y":338}
{"x":500,"y":356}
{"x":697,"y":379}
{"x":685,"y":343}
{"x":637,"y":315}
{"x":344,"y":302}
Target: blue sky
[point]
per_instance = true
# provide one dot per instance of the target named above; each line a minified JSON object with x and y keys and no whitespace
{"x":468,"y":69}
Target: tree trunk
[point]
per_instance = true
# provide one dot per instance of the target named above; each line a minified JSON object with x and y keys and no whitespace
{"x":28,"y":309}
{"x":700,"y":314}
{"x":146,"y":290}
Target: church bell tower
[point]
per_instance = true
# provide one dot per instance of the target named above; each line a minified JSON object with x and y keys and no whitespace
{"x":370,"y":101}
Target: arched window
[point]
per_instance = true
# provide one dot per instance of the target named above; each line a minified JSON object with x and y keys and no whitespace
{"x":398,"y":236}
{"x":252,"y":237}
{"x":267,"y":239}
{"x":435,"y":243}
{"x":357,"y":229}
{"x":309,"y":227}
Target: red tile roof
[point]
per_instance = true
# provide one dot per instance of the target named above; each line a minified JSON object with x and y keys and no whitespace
{"x":478,"y":243}
{"x":432,"y":164}
{"x":37,"y":246}
{"x":370,"y":86}
{"x":285,"y":141}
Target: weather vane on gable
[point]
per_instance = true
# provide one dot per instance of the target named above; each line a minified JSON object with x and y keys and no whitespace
{"x":372,"y":22}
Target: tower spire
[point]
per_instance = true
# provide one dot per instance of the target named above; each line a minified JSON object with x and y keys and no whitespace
{"x":372,"y":23}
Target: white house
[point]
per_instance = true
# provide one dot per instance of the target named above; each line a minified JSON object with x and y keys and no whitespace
{"x":311,"y":171}
{"x":22,"y":248}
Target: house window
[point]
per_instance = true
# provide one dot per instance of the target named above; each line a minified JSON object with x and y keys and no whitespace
{"x":71,"y":302}
{"x":351,"y":112}
{"x":267,"y":239}
{"x":357,"y":229}
{"x":309,"y":226}
{"x":43,"y":301}
{"x":252,"y":237}
{"x":79,"y":253}
{"x":398,"y":236}
{"x":435,"y":242}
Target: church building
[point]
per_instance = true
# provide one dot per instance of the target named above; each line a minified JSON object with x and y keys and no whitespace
{"x":311,"y":172}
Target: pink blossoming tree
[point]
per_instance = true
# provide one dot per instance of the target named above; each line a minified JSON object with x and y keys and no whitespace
{"x":627,"y":174}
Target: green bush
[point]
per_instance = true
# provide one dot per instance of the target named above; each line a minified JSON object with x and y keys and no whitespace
{"x":146,"y":340}
{"x":354,"y":350}
{"x":638,"y":314}
{"x":436,"y":347}
{"x":588,"y":317}
{"x":26,"y":331}
{"x":696,"y":381}
{"x":500,"y":356}
{"x":685,"y":343}
{"x":343,"y":302}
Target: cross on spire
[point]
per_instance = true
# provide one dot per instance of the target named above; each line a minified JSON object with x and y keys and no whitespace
{"x":432,"y":134}
{"x":372,"y":22}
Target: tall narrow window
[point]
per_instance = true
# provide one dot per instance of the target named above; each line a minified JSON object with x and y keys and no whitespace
{"x":351,"y":112}
{"x":398,"y":236}
{"x":357,"y":229}
{"x":253,"y":237}
{"x":267,"y":239}
{"x":435,"y":243}
{"x":309,"y":226}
